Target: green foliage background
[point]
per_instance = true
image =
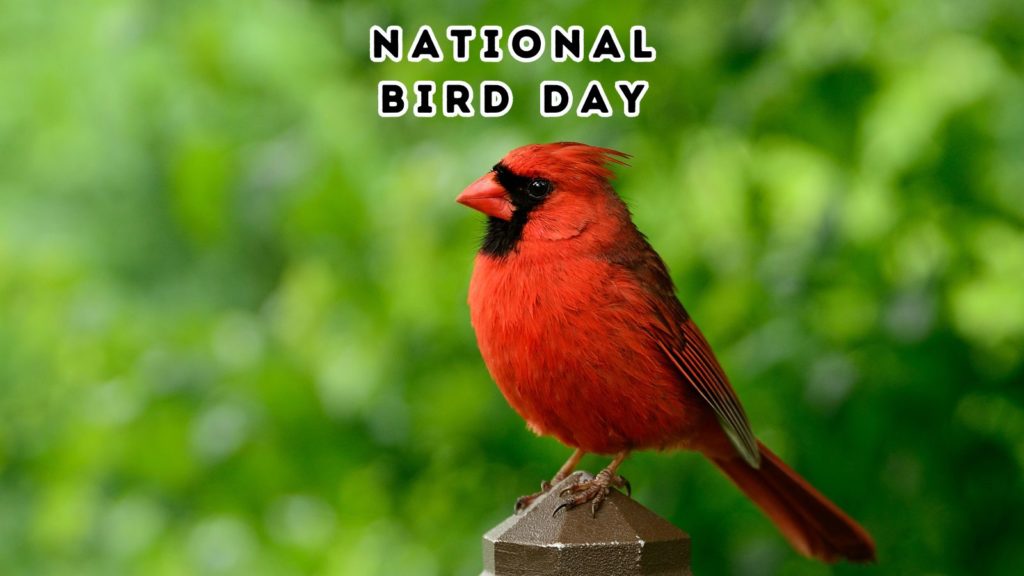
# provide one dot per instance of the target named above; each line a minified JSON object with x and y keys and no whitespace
{"x":233,"y":331}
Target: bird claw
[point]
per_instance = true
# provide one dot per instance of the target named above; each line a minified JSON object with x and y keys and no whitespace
{"x":594,"y":491}
{"x":560,"y":506}
{"x":523,"y":502}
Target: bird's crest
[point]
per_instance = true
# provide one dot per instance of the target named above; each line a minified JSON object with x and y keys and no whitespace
{"x":568,"y":158}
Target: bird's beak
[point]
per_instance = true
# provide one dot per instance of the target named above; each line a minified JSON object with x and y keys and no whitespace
{"x":487,"y":196}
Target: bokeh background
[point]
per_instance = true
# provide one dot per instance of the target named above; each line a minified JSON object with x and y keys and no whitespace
{"x":233,"y":331}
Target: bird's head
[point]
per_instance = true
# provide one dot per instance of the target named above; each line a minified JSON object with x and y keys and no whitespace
{"x":543,"y":192}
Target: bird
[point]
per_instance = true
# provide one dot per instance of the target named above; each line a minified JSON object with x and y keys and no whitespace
{"x":577,"y":320}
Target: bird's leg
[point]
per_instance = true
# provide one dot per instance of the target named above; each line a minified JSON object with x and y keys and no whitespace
{"x":523,"y":502}
{"x":596,"y":489}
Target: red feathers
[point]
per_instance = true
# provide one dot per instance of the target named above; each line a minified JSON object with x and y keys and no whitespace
{"x":569,"y":158}
{"x":815,"y":526}
{"x":577,"y":320}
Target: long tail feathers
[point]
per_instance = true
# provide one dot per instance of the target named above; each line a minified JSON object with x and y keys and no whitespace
{"x":813,"y":525}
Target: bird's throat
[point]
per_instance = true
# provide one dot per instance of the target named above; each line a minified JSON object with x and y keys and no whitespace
{"x":503,"y":236}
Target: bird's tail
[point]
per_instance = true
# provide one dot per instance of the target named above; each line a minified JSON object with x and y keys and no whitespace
{"x":813,"y":525}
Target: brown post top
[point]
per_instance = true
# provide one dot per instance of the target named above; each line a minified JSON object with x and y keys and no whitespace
{"x":625,"y":538}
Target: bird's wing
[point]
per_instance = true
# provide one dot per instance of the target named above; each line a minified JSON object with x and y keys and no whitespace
{"x":693,"y":357}
{"x":687,"y":349}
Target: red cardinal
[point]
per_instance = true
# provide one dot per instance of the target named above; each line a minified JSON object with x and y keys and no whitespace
{"x":577,"y":320}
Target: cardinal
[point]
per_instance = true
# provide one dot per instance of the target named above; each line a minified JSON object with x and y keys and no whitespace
{"x":577,"y":320}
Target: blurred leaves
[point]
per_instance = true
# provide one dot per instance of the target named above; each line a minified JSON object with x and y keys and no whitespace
{"x":233,"y":337}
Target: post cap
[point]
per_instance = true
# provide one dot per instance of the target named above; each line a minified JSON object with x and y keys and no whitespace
{"x":625,"y":538}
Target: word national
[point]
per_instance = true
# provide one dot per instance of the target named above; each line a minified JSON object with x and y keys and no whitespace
{"x":525,"y":44}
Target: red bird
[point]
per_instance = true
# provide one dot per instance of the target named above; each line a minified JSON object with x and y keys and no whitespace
{"x":577,"y":320}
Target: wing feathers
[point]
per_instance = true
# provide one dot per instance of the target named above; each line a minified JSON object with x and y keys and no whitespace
{"x":697,"y":364}
{"x":681,"y":341}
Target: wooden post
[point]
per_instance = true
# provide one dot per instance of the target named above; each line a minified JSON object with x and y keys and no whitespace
{"x":625,"y":538}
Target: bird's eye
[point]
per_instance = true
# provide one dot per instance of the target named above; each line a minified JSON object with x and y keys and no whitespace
{"x":538,"y":188}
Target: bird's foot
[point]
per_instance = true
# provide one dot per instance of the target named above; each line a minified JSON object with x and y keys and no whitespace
{"x":594,"y":491}
{"x":523,"y":502}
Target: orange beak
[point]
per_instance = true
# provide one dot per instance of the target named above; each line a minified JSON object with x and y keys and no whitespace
{"x":487,"y":196}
